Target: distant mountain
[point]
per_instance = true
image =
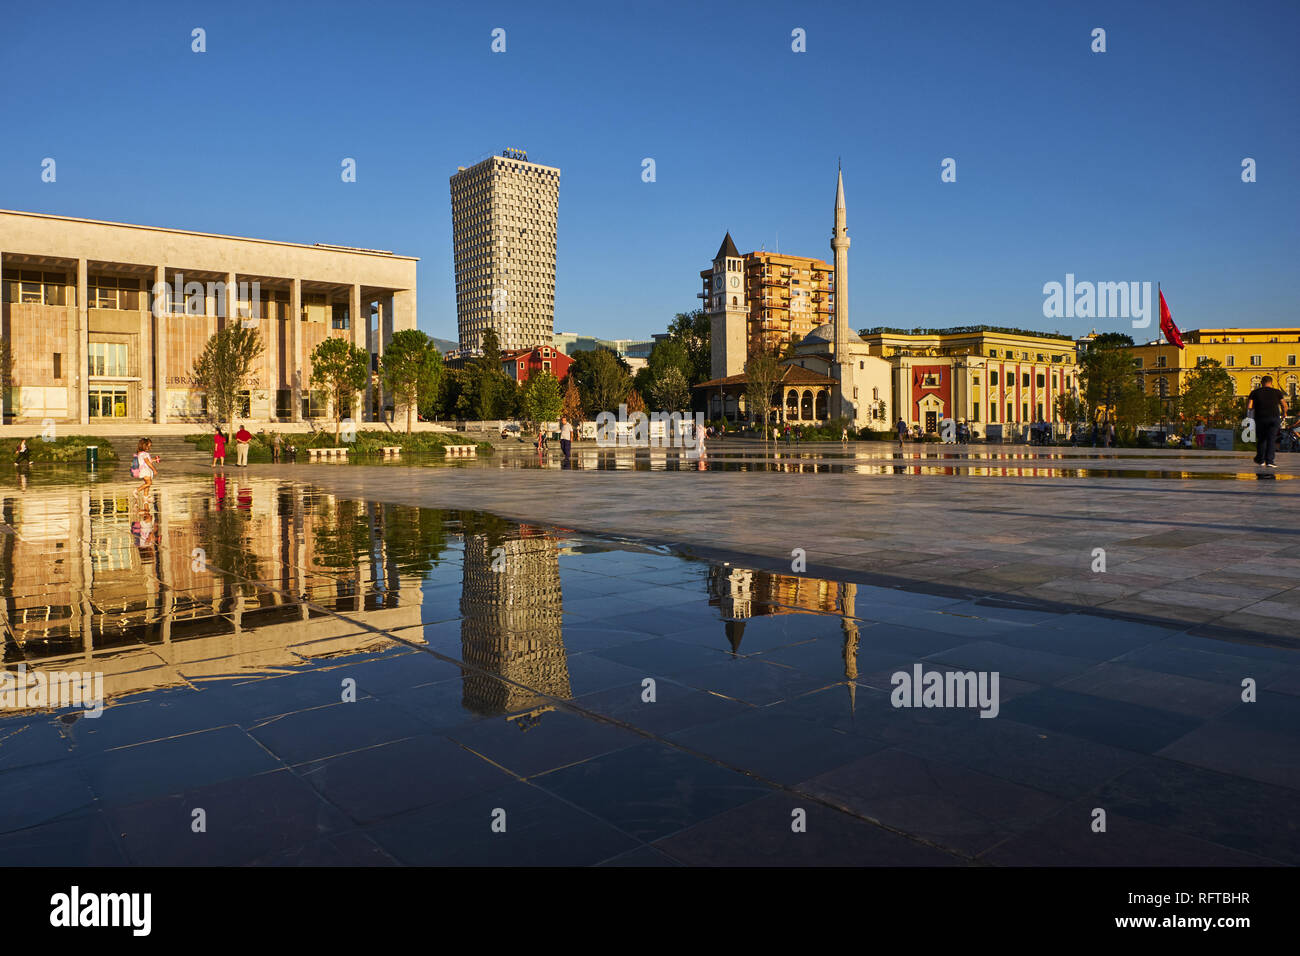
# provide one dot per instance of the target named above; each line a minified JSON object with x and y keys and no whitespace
{"x":445,"y":345}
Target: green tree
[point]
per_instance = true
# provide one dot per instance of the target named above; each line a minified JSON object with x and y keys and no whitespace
{"x":1209,"y":393}
{"x":411,"y":370}
{"x":762,"y":373}
{"x":488,"y":392}
{"x":602,"y":381}
{"x":224,"y":368}
{"x":1109,"y":377}
{"x":670,"y":391}
{"x":692,"y":330}
{"x":342,"y":370}
{"x":540,"y":399}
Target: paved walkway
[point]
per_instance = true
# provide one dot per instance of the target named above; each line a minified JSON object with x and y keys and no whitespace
{"x":1195,"y":539}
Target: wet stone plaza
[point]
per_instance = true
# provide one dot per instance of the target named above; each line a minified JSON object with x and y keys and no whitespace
{"x":793,"y":658}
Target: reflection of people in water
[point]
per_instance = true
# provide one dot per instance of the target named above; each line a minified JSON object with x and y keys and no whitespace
{"x":220,"y":482}
{"x":245,"y":498}
{"x":143,"y":529}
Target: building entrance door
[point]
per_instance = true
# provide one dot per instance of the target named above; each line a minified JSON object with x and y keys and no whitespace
{"x":931,"y":422}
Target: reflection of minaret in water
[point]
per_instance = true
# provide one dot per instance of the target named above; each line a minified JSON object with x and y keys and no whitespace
{"x":511,"y":610}
{"x":849,"y":624}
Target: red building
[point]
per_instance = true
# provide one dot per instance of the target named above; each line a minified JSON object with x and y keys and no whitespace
{"x":520,"y":363}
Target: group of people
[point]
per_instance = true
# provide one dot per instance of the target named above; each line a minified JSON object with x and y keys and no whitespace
{"x":242,"y":439}
{"x":566,"y":439}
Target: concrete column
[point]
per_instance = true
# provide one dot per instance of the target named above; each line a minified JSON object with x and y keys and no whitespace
{"x":232,"y":299}
{"x":297,"y":383}
{"x":370,"y":344}
{"x":160,"y":319}
{"x":355,"y":330}
{"x":81,"y":386}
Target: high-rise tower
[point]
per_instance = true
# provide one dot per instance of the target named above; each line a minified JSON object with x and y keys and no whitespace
{"x":503,"y":220}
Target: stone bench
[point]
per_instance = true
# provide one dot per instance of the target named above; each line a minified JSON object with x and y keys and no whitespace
{"x":327,"y":454}
{"x":461,"y":451}
{"x":390,"y":451}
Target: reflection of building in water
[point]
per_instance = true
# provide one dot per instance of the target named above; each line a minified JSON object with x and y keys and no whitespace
{"x":91,"y":581}
{"x":511,"y":611}
{"x":741,"y":593}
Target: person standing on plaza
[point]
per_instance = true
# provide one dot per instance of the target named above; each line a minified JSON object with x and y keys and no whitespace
{"x":566,"y":437}
{"x":219,"y":449}
{"x":275,"y":448}
{"x":242,"y":438}
{"x":24,"y":454}
{"x":1200,"y":433}
{"x":902,"y":432}
{"x":1267,"y":406}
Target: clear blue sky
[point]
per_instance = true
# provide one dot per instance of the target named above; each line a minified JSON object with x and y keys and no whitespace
{"x":1116,"y":167}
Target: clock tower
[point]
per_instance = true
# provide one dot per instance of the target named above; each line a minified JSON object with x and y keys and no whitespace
{"x":724,"y":295}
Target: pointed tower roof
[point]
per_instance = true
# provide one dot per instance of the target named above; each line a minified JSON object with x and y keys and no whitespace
{"x":839,"y":191}
{"x":728,"y":249}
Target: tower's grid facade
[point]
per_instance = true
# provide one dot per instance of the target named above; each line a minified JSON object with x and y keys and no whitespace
{"x":504,"y":214}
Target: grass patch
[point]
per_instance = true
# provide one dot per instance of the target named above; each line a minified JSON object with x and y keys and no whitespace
{"x":367,"y":445}
{"x":70,"y":449}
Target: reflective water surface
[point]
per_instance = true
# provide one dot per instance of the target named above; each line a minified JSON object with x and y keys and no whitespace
{"x":343,"y":681}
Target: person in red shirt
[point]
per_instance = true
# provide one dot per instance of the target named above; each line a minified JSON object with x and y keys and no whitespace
{"x":242,"y":438}
{"x":219,"y":449}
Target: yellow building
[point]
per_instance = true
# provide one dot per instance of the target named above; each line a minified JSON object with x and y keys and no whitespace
{"x":787,"y":297}
{"x":1245,"y":354}
{"x":981,"y":375}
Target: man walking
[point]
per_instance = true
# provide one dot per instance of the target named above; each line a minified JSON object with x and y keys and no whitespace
{"x":566,"y":437}
{"x":1267,"y":405}
{"x":242,"y":438}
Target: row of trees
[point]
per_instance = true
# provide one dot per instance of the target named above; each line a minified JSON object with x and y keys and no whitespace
{"x":410,"y":371}
{"x":1112,"y":391}
{"x":598,"y":381}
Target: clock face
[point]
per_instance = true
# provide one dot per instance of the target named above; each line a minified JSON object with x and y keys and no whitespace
{"x":735,"y":282}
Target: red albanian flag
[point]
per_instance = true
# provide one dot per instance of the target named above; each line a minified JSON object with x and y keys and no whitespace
{"x":1167,"y":327}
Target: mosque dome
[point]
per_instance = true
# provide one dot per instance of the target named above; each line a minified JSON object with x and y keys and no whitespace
{"x":826,"y":333}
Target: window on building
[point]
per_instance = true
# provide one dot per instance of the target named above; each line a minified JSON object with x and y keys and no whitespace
{"x":38,"y":288}
{"x":1137,"y":362}
{"x":975,"y":411}
{"x":339,"y":318}
{"x":1161,"y":361}
{"x":993,"y":413}
{"x":993,"y":378}
{"x":107,"y":359}
{"x":314,"y":404}
{"x":1011,"y":412}
{"x":58,"y":365}
{"x":1292,"y":385}
{"x":975,"y":379}
{"x":1256,"y":360}
{"x":1232,"y":360}
{"x":114,"y":292}
{"x":1024,"y":379}
{"x":107,"y":401}
{"x":1039,"y":380}
{"x":284,"y":403}
{"x":1290,"y":360}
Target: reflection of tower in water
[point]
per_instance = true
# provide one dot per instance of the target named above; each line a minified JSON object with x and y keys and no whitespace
{"x":740,"y":594}
{"x":511,"y":610}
